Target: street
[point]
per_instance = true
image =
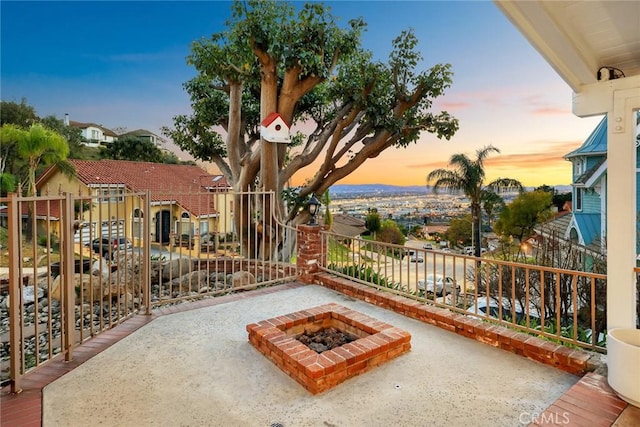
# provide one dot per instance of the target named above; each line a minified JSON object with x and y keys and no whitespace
{"x":408,"y":273}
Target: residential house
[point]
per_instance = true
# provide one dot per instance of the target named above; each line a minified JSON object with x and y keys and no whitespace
{"x":347,"y":225}
{"x":588,"y":224}
{"x":94,"y":134}
{"x":144,"y":135}
{"x":185,"y":201}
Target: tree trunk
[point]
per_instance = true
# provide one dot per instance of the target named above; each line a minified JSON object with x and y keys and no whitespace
{"x":475,"y":212}
{"x":269,"y":168}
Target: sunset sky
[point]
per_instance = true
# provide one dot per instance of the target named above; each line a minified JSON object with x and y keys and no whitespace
{"x":122,"y":64}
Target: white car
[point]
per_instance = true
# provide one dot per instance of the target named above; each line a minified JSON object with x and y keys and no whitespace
{"x":480,"y":309}
{"x":437,"y":283}
{"x":470,"y":250}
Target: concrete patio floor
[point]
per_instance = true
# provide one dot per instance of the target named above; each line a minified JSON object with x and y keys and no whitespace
{"x":197,"y":368}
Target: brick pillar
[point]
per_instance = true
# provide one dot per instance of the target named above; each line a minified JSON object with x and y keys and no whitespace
{"x":310,"y":252}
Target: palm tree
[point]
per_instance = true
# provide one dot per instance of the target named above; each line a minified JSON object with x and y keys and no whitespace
{"x":491,"y":202}
{"x":468,"y":175}
{"x":38,"y":146}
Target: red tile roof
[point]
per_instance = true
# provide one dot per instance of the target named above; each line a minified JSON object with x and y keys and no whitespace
{"x":184,"y":184}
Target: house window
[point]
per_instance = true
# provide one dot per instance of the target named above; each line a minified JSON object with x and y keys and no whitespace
{"x":577,"y":167}
{"x":95,"y":135}
{"x":184,"y":225}
{"x":573,"y":235}
{"x":137,"y":224}
{"x":204,"y":227}
{"x":109,"y":194}
{"x":579,"y":199}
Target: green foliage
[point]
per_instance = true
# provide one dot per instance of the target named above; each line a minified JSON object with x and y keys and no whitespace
{"x":390,"y":233}
{"x":467,"y":176}
{"x":37,"y":146}
{"x":581,"y":333}
{"x":71,"y":134}
{"x":416,"y":230}
{"x":53,"y":241}
{"x":8,"y":183}
{"x":366,"y":274}
{"x":325,"y":199}
{"x":296,"y":202}
{"x":558,"y":199}
{"x":316,"y":72}
{"x":337,"y":251}
{"x":526,"y":211}
{"x":459,"y":231}
{"x":22,"y":115}
{"x":134,"y":149}
{"x":372,"y":221}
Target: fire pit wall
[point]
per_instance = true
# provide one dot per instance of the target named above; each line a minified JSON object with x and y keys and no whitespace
{"x":377,"y":343}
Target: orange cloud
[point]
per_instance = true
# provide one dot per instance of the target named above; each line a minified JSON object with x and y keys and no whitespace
{"x":453,"y":106}
{"x":549,"y":111}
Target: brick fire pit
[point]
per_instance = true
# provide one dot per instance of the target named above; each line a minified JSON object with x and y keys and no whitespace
{"x":376,"y":343}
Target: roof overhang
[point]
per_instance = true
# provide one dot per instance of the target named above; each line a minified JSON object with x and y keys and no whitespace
{"x":578,"y":38}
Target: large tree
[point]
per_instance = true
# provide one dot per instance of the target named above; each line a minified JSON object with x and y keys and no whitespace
{"x":315,"y":74}
{"x":21,"y":115}
{"x":72,"y":134}
{"x":459,"y":231}
{"x":524,"y":213}
{"x":468,"y":176}
{"x":135,"y":149}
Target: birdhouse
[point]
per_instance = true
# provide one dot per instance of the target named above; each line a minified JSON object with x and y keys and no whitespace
{"x":274,"y":129}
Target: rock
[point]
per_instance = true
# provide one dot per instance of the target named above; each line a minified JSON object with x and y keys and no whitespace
{"x":93,"y":288}
{"x":175,"y":268}
{"x":101,"y":268}
{"x":243,"y":278}
{"x":191,"y":281}
{"x":28,"y":296}
{"x":218,"y":285}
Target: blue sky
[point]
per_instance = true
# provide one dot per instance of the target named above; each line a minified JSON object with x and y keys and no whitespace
{"x":122,"y":64}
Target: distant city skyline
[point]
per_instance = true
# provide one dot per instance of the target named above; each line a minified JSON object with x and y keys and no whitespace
{"x":122,"y":64}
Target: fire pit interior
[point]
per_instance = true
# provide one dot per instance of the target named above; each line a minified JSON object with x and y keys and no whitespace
{"x":321,"y":347}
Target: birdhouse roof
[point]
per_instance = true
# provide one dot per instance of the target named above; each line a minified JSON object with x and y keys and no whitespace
{"x":271,"y":118}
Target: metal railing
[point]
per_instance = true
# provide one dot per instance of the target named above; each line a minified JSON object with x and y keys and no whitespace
{"x":564,"y":306}
{"x":76,"y":265}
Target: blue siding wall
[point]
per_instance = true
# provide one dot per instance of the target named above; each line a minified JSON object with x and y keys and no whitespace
{"x":590,"y":202}
{"x":593,"y":160}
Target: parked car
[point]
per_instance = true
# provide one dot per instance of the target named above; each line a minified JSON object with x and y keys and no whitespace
{"x":416,"y":258}
{"x":107,"y":246}
{"x":437,"y":284}
{"x":428,"y":246}
{"x":470,"y":250}
{"x":492,"y":309}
